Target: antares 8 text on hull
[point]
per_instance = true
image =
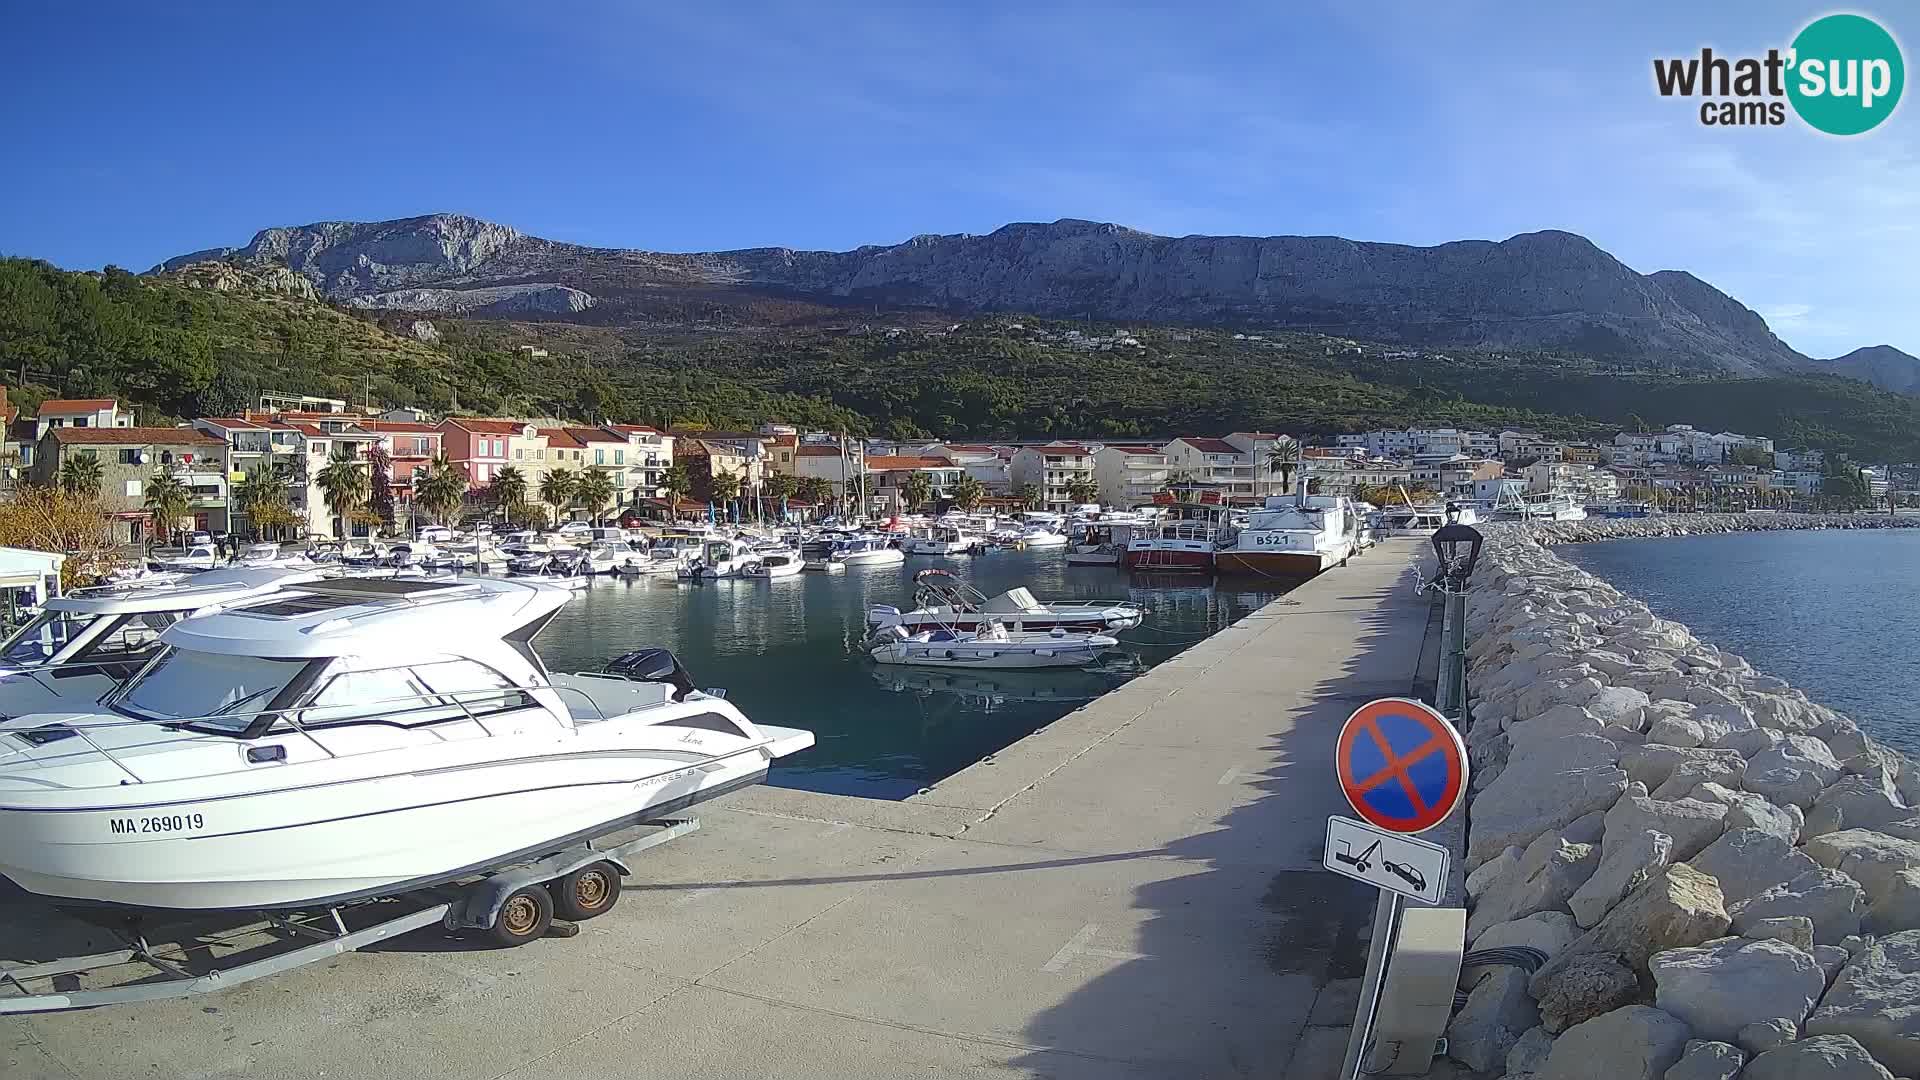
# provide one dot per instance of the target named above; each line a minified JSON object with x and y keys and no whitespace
{"x":348,"y":739}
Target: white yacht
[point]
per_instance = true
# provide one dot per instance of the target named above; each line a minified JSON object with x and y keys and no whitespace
{"x":776,"y":564}
{"x":865,"y":551}
{"x":943,"y":601}
{"x":1292,"y":536}
{"x":1041,"y":536}
{"x":86,"y":643}
{"x":351,"y":739}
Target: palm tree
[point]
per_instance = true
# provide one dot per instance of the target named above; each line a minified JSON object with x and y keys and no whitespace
{"x":167,"y":502}
{"x":676,"y":483}
{"x":723,"y":488}
{"x":594,"y":489}
{"x":439,"y":492}
{"x":915,"y":490}
{"x":817,"y":490}
{"x":256,"y":495}
{"x":510,"y":491}
{"x":80,"y":475}
{"x":1029,"y":496}
{"x":967,"y":493}
{"x":345,"y":483}
{"x":1082,"y":489}
{"x":557,"y":489}
{"x":1284,"y":457}
{"x":782,"y":486}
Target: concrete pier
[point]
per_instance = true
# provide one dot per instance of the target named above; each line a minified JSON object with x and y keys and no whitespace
{"x":1133,"y":891}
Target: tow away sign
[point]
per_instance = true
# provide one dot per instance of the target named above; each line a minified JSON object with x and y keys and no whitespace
{"x":1413,"y":868}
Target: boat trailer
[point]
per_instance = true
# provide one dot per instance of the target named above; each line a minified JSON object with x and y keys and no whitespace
{"x":514,"y":904}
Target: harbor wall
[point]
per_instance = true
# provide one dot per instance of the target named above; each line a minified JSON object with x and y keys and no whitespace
{"x":1591,"y":529}
{"x":1721,"y":873}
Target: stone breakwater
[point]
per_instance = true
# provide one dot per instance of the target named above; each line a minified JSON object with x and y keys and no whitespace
{"x":1724,"y":875}
{"x":1581,"y":532}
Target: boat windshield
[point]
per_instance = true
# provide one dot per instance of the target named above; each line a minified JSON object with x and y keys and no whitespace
{"x":45,"y":635}
{"x":217,"y":691}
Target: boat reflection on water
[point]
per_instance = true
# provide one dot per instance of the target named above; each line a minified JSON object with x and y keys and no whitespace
{"x":986,"y":689}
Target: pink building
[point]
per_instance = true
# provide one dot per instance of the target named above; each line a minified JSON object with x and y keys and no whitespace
{"x":479,"y":447}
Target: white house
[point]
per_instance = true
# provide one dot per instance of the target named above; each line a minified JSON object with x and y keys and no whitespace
{"x":1130,"y":475}
{"x":1052,"y":468}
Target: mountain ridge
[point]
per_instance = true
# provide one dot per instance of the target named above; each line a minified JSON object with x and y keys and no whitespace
{"x":1545,"y":290}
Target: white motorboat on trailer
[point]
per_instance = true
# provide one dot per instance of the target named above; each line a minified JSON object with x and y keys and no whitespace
{"x":351,"y":739}
{"x":991,"y":646}
{"x":943,"y":600}
{"x":86,"y":643}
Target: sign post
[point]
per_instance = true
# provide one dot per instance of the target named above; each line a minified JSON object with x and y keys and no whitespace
{"x":1403,"y":769}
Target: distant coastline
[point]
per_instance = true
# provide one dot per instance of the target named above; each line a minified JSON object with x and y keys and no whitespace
{"x":1651,"y":528}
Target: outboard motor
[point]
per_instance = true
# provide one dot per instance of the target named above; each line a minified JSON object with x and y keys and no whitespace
{"x":653,"y":665}
{"x":883,"y":615}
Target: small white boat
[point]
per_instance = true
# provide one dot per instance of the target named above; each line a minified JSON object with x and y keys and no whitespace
{"x":1099,"y":544}
{"x":991,"y":646}
{"x":604,"y":555}
{"x":187,"y":559}
{"x":866,"y":551}
{"x":943,"y":601}
{"x":776,"y":564}
{"x":720,"y":558}
{"x":941,"y":539}
{"x":1040,"y":536}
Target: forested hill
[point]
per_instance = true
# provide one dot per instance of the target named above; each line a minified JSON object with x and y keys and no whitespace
{"x":177,"y":351}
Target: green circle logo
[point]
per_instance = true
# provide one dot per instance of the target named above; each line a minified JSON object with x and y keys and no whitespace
{"x":1847,"y":74}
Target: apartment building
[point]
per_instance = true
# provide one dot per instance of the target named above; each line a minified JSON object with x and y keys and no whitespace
{"x":1341,"y":471}
{"x":480,"y":448}
{"x":1214,"y":463}
{"x":823,"y":458}
{"x":1130,"y":475}
{"x":985,"y":463}
{"x":1052,"y":468}
{"x":129,"y":457}
{"x":887,"y":474}
{"x":80,"y":413}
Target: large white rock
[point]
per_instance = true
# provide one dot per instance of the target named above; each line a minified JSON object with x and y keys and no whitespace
{"x":1758,"y":1038}
{"x":1553,"y":723}
{"x":1677,"y":731}
{"x":1833,"y":901}
{"x":1691,"y":823}
{"x":1625,"y":865}
{"x":1696,"y":771}
{"x":1488,"y":873}
{"x":1529,"y":1053}
{"x":1823,"y":1057}
{"x":1747,"y":862}
{"x":1876,"y":1000}
{"x":1745,"y":810}
{"x":1705,"y":1059}
{"x":1550,"y":872}
{"x":1548,"y":931}
{"x":1634,"y":1043}
{"x":1498,"y":1011}
{"x":1651,"y":764}
{"x":1563,"y":753}
{"x":1722,"y":986}
{"x":1781,"y":713}
{"x":1795,"y":930}
{"x":1856,"y":802}
{"x":1521,"y":805}
{"x":1871,"y":858}
{"x":1747,"y":743}
{"x":1898,"y":906}
{"x":1676,"y":908}
{"x":1793,"y":771}
{"x":1619,"y":705}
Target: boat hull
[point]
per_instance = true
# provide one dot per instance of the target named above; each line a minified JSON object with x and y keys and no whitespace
{"x":968,"y":654}
{"x":1274,"y":564}
{"x":332,"y":843}
{"x":1176,"y":557}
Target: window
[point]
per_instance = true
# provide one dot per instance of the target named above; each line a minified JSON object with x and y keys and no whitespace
{"x":599,"y":456}
{"x":474,"y":685}
{"x":133,"y":489}
{"x":391,"y":693}
{"x":619,"y":456}
{"x":82,"y":421}
{"x":129,"y":457}
{"x":48,"y":633}
{"x":519,"y":454}
{"x":222,"y":692}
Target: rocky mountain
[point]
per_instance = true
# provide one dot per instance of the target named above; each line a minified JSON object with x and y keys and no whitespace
{"x":1882,"y":365}
{"x":1544,"y":290}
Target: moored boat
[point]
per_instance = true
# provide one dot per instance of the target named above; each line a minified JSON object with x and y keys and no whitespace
{"x":1292,"y":537}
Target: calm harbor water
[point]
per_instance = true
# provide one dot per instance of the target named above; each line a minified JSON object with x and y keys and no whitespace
{"x":787,"y":653}
{"x":1837,"y":614}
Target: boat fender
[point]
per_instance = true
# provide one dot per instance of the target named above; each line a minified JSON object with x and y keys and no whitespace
{"x":1058,"y":632}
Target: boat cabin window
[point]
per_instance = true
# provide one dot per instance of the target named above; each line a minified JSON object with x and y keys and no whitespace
{"x":121,"y":648}
{"x":217,"y":691}
{"x":45,"y":635}
{"x":474,"y":685}
{"x":413,"y":696}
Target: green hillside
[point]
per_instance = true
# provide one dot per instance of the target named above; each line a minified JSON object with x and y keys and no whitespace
{"x":178,"y":351}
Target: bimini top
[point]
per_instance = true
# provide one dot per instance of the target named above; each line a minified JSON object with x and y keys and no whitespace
{"x":361,"y":616}
{"x":201,"y":590}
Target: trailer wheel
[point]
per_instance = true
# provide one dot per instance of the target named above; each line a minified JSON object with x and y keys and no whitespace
{"x":587,"y":892}
{"x":525,"y":915}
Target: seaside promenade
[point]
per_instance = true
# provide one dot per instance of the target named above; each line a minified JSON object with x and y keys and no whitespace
{"x":1134,"y":890}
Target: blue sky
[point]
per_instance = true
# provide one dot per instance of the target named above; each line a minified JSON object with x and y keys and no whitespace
{"x":136,"y":132}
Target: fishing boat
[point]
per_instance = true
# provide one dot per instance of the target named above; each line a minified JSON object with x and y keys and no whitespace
{"x":943,"y":601}
{"x":1293,"y":536}
{"x":1185,"y":538}
{"x":354,"y":739}
{"x":1099,"y":544}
